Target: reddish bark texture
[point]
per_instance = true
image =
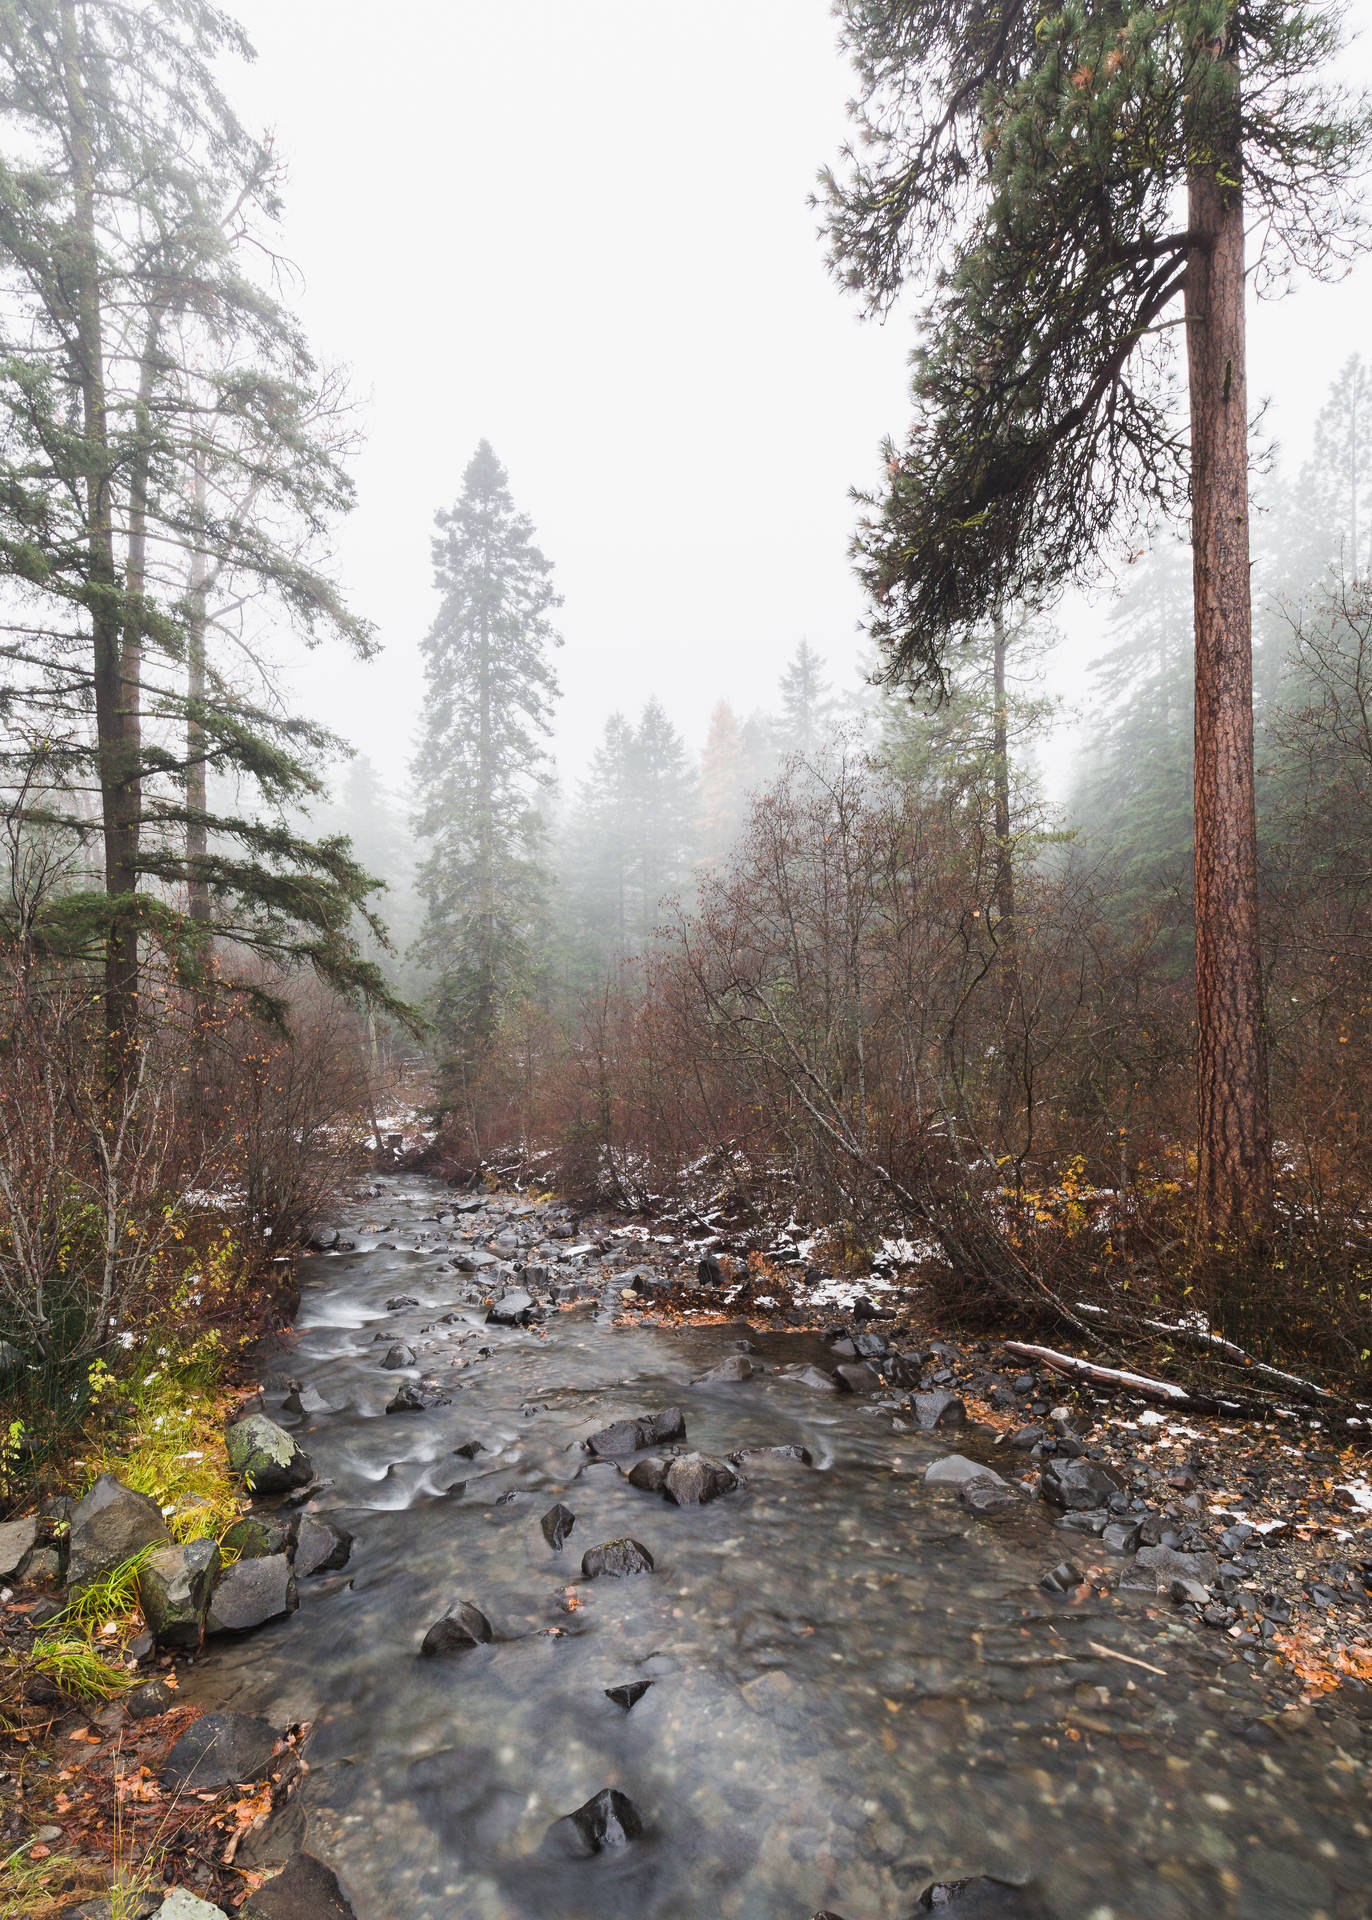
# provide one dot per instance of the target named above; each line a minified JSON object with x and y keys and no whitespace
{"x":1234,"y":1195}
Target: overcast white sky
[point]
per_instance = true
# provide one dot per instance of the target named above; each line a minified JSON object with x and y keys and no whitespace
{"x":579,"y":229}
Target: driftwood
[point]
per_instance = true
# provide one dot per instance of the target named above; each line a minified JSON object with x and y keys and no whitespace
{"x":1149,"y":1389}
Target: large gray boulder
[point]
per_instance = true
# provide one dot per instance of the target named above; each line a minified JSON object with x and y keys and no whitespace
{"x":174,"y":1586}
{"x":219,"y":1750}
{"x":251,"y":1593}
{"x":18,"y":1538}
{"x":1077,"y":1485}
{"x":266,"y":1455}
{"x":110,"y":1525}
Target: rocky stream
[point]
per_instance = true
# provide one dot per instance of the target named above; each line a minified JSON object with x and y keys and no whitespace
{"x":775,"y":1652}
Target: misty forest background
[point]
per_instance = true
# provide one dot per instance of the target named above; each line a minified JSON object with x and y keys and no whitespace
{"x":866,"y":962}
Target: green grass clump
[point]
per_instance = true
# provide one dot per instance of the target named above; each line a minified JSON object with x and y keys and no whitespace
{"x":111,"y":1597}
{"x":73,"y":1664}
{"x":28,"y":1887}
{"x":165,"y":1437}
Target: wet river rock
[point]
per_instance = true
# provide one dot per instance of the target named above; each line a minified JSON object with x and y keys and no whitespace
{"x":629,"y":1695}
{"x":981,"y":1898}
{"x":250,"y":1593}
{"x":1078,"y":1483}
{"x":174,"y":1585}
{"x":320,"y":1546}
{"x":738,"y":1367}
{"x":608,"y":1819}
{"x":257,"y":1535}
{"x":219,"y":1750}
{"x":266,"y":1455}
{"x":616,"y":1560}
{"x":111,"y":1524}
{"x":938,"y":1409}
{"x":305,"y":1889}
{"x":694,"y":1479}
{"x":631,"y":1436}
{"x":556,"y":1524}
{"x":463,"y":1627}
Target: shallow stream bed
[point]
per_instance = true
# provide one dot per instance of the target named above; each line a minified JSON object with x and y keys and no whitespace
{"x":857,"y":1688}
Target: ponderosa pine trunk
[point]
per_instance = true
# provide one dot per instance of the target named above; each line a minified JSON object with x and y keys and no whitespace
{"x":115,"y":757}
{"x":1234,"y":1190}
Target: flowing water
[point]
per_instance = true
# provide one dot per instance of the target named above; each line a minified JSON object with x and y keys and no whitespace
{"x":857,"y":1689}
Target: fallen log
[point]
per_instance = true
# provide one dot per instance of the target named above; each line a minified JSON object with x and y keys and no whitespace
{"x":1235,"y":1355}
{"x":1147,"y":1388}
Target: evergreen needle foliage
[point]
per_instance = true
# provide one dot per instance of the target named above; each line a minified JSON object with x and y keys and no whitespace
{"x":481,"y":770}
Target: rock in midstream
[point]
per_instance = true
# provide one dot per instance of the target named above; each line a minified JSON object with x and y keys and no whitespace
{"x":616,"y":1559}
{"x":463,"y":1627}
{"x":608,"y":1819}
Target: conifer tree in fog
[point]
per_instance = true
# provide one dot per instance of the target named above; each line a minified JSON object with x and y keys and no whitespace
{"x":630,"y":840}
{"x":481,"y":769}
{"x":1132,"y":795}
{"x":1334,"y":497}
{"x":1067,"y":185}
{"x":726,"y":774}
{"x":807,"y":703}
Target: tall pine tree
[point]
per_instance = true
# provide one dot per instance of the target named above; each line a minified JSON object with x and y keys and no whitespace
{"x":481,"y":771}
{"x":1033,"y":168}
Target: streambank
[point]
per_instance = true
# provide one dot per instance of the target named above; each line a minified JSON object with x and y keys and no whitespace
{"x":836,"y":1683}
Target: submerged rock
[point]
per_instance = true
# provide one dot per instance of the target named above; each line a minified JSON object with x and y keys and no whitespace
{"x":1157,"y":1569}
{"x":729,"y":1372}
{"x":984,"y":1499}
{"x":266,"y":1455}
{"x":608,"y":1819}
{"x":1063,"y":1578}
{"x":755,"y":1460}
{"x":110,"y":1525}
{"x":174,"y":1585}
{"x":250,"y":1593}
{"x":631,"y":1436}
{"x":399,"y":1301}
{"x":556,"y":1524}
{"x":812,"y":1377}
{"x":616,"y":1559}
{"x":956,"y":1470}
{"x":302,"y":1402}
{"x":463,"y":1627}
{"x":219,"y":1750}
{"x":981,"y":1898}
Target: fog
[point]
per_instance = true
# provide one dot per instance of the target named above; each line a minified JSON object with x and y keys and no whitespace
{"x":582,"y":231}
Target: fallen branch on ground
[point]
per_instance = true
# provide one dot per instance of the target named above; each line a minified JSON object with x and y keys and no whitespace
{"x":1166,"y":1391}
